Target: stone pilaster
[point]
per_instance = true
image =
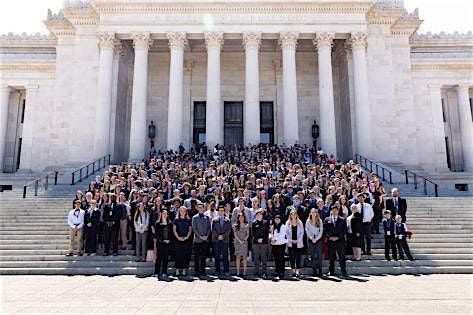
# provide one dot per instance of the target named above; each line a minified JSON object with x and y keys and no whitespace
{"x":4,"y":99}
{"x":466,"y":126}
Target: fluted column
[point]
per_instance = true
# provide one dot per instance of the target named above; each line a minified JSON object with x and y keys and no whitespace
{"x":362,"y":103}
{"x":4,"y":99}
{"x":251,"y":110}
{"x":214,"y":110}
{"x":138,"y":136}
{"x":438,"y":128}
{"x":288,"y":42}
{"x":104,"y":95}
{"x":466,"y":126}
{"x":328,"y":137}
{"x":177,"y":42}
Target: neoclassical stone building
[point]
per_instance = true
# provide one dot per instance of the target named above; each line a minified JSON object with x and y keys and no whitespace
{"x":235,"y":72}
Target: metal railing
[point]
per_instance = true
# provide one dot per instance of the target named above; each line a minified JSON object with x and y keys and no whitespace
{"x":89,"y":169}
{"x":373,"y":166}
{"x":424,"y":181}
{"x":36,"y":182}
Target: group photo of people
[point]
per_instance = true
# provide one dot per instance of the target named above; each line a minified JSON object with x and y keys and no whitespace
{"x":264,"y":211}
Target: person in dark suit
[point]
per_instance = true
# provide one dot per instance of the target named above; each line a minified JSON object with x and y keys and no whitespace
{"x":111,"y":219}
{"x":401,"y":242}
{"x":389,"y":236}
{"x":221,"y":228}
{"x":397,"y":205}
{"x":335,"y":228}
{"x":91,"y":226}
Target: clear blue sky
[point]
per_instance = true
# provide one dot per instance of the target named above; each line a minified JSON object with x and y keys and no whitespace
{"x":439,"y":15}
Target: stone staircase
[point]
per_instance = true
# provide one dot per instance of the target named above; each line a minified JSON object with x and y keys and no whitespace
{"x":34,"y":238}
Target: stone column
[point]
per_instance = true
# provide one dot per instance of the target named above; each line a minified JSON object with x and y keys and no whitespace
{"x":177,"y":42}
{"x":466,"y":126}
{"x":438,"y":127}
{"x":4,"y":99}
{"x":138,"y":136}
{"x":104,"y":95}
{"x":28,"y":129}
{"x":362,"y":103}
{"x":214,"y":108}
{"x":328,"y":137}
{"x":288,"y":42}
{"x":251,"y":110}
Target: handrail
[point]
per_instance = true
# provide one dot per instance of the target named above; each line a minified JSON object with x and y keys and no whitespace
{"x":37,"y":181}
{"x":87,"y":168}
{"x":425,"y":180}
{"x":362,"y":160}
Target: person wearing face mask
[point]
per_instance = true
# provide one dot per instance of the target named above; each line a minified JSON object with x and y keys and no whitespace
{"x":91,"y":226}
{"x":335,"y":228}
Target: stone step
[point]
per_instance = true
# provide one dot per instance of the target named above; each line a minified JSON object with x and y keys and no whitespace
{"x":150,"y":270}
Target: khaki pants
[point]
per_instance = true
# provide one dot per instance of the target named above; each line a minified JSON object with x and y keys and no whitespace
{"x":75,"y":235}
{"x":123,"y":234}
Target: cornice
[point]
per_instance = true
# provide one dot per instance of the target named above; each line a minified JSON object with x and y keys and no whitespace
{"x":442,"y":65}
{"x":58,"y":25}
{"x":28,"y":67}
{"x":27,"y":40}
{"x":185,"y":7}
{"x":442,"y":39}
{"x":81,"y":16}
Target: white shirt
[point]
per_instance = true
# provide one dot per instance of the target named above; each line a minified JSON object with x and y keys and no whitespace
{"x":368,"y":212}
{"x":279,"y":237}
{"x":75,"y":219}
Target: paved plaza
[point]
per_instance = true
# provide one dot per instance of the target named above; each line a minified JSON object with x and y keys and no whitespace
{"x":446,"y":294}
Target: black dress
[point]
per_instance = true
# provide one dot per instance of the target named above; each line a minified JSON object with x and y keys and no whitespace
{"x":356,"y":223}
{"x":182,"y":247}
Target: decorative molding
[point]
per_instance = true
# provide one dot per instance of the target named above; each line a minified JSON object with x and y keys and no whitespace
{"x":463,"y":87}
{"x":252,"y":40}
{"x":28,"y":67}
{"x":177,"y":40}
{"x":443,"y":67}
{"x":188,"y":65}
{"x":213,"y":39}
{"x":141,"y":41}
{"x":443,"y":36}
{"x":118,"y":49}
{"x":288,"y":40}
{"x":106,"y":40}
{"x":358,"y":41}
{"x":322,"y":40}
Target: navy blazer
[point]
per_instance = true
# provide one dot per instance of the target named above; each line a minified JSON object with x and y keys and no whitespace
{"x":391,"y":222}
{"x":338,"y":230}
{"x":218,"y":229}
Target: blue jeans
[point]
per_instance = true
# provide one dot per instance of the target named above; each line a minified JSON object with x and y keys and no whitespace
{"x":221,"y":255}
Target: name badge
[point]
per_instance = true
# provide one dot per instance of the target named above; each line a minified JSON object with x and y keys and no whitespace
{"x":400,"y":236}
{"x":110,"y":213}
{"x":388,"y":233}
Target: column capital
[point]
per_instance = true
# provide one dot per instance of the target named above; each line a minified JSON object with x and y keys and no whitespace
{"x":434,"y":86}
{"x":177,"y":40}
{"x":358,"y":40}
{"x":322,"y":40}
{"x":251,"y":40}
{"x":213,"y":39}
{"x":5,"y":88}
{"x":106,"y":40}
{"x":463,"y":87}
{"x":141,"y":41}
{"x":119,"y":50}
{"x":288,"y":40}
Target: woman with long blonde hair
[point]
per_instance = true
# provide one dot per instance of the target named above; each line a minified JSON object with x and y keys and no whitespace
{"x":295,"y":243}
{"x":314,"y":230}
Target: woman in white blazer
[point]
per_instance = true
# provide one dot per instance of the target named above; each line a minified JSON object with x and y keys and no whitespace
{"x":295,"y":243}
{"x":278,"y":245}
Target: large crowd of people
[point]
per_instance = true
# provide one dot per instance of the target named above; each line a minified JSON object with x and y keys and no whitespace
{"x":248,"y":204}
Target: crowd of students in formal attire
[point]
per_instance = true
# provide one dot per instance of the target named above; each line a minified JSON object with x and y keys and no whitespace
{"x":248,"y":204}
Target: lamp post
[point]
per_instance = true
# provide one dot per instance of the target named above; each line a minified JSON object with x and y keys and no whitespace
{"x":315,"y":133}
{"x":151,"y":133}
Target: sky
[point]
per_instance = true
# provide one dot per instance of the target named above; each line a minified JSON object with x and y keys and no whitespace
{"x":19,"y":16}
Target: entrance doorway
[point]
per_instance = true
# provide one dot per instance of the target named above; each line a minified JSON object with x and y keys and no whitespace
{"x":267,"y":122}
{"x":198,"y":132}
{"x":233,"y":123}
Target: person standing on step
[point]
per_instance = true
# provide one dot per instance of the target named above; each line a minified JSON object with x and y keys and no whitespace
{"x":295,"y":243}
{"x":201,"y":227}
{"x":278,"y":245}
{"x":367,"y":214}
{"x":241,"y":231}
{"x":182,"y":230}
{"x":260,"y":233}
{"x":314,"y":231}
{"x":397,"y":205}
{"x":141,"y":222}
{"x":163,"y":232}
{"x":221,"y":227}
{"x":335,"y":228}
{"x":75,"y":220}
{"x":389,"y":236}
{"x":401,"y":241}
{"x":124,"y":214}
{"x":91,"y":226}
{"x":354,"y":227}
{"x":111,"y":219}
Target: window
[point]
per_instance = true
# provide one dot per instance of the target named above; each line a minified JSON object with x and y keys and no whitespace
{"x":443,"y":111}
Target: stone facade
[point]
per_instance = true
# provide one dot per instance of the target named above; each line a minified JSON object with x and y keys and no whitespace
{"x":358,"y":68}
